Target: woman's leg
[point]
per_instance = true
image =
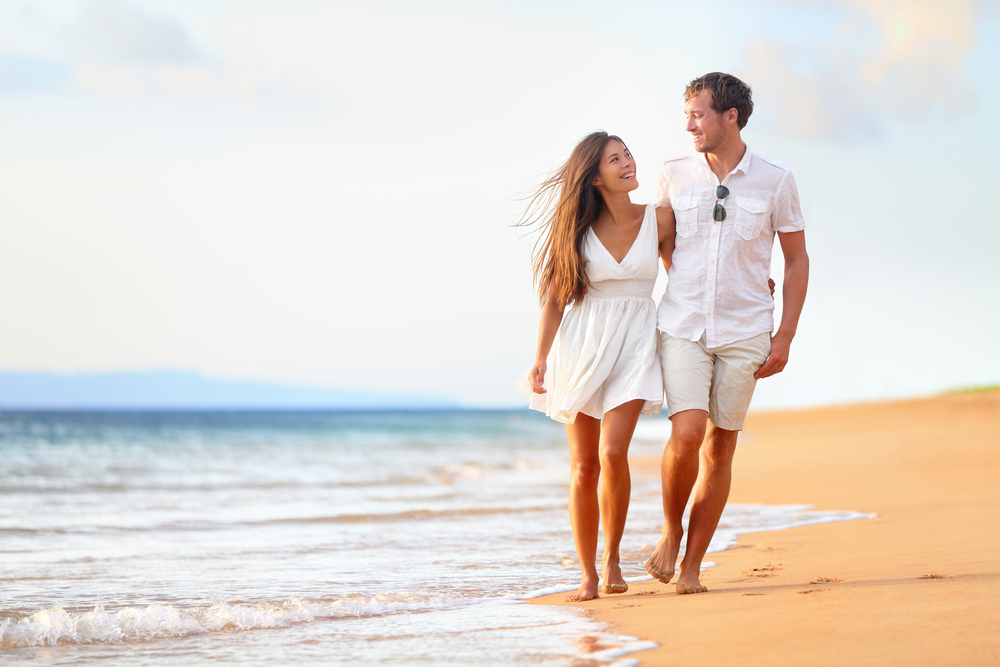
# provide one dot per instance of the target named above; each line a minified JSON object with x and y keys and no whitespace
{"x":584,"y":437}
{"x":616,"y":487}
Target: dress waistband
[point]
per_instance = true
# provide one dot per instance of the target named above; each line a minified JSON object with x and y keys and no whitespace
{"x":619,"y":288}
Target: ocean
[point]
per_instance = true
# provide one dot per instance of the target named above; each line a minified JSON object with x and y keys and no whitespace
{"x":307,"y":537}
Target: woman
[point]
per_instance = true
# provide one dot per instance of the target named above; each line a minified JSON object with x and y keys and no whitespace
{"x":600,"y":369}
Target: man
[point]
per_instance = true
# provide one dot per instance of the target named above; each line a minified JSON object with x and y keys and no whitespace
{"x":716,"y":316}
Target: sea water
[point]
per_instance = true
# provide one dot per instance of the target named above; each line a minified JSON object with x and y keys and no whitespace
{"x":176,"y":538}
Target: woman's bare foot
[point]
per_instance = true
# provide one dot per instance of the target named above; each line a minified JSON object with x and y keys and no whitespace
{"x":613,"y":580}
{"x":663,"y":561}
{"x":689,"y":583}
{"x":586,"y":591}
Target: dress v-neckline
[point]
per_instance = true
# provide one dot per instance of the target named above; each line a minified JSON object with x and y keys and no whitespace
{"x":631,"y":247}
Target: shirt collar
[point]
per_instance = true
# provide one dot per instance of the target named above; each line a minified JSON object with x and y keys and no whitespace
{"x":743,"y":166}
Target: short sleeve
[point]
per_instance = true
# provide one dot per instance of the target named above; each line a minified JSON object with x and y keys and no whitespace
{"x":663,"y":189}
{"x":787,"y":215}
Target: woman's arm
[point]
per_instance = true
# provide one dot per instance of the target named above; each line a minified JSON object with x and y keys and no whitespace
{"x":552,"y":314}
{"x":665,"y":227}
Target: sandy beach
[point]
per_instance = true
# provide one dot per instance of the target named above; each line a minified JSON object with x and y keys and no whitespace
{"x":918,"y":584}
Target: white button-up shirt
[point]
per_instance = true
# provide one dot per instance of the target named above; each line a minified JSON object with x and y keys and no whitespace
{"x":717,"y":284}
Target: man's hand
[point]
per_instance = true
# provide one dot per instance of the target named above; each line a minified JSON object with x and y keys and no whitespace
{"x":776,"y":361}
{"x":793,"y":295}
{"x":770,"y":284}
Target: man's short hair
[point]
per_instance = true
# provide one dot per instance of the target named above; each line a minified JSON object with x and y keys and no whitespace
{"x":728,"y":92}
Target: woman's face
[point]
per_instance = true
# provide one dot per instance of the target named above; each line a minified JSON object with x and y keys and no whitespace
{"x":616,"y":172}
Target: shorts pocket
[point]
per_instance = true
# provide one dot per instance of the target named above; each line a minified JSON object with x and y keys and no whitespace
{"x":751,"y":214}
{"x":686,"y":215}
{"x":763,"y":342}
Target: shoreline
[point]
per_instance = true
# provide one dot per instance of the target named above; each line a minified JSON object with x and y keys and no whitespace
{"x":918,"y":583}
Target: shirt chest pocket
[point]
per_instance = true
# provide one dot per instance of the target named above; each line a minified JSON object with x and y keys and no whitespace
{"x":686,"y":215}
{"x":751,"y":215}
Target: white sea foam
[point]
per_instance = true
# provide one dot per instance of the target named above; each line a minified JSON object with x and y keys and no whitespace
{"x":627,"y":646}
{"x":754,"y":518}
{"x":130,"y":625}
{"x":558,"y":588}
{"x":141,"y":624}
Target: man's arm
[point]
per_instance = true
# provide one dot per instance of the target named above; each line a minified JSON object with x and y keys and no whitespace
{"x":793,"y":295}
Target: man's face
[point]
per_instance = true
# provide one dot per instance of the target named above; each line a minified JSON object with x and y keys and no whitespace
{"x":704,"y":124}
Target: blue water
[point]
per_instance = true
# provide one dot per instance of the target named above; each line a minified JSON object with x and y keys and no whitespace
{"x":172,"y":538}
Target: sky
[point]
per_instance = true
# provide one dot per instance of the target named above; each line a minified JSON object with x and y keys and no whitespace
{"x":321,"y":194}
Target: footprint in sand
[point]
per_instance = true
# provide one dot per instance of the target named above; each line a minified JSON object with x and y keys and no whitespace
{"x":825,"y":580}
{"x":767,"y":571}
{"x":935,"y":576}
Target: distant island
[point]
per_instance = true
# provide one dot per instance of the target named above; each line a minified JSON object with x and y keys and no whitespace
{"x":180,"y":390}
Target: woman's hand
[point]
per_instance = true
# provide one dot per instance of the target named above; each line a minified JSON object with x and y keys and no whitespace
{"x":536,"y":376}
{"x":552,"y":314}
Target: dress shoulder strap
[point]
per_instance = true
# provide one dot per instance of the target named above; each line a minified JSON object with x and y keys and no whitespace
{"x":649,"y":223}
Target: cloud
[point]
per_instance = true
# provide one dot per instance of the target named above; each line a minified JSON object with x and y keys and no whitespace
{"x":116,"y":48}
{"x":114,"y":32}
{"x":19,"y":73}
{"x":108,"y":47}
{"x":888,"y":59}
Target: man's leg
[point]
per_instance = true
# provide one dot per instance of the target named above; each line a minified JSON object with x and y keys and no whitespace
{"x":732,"y":388}
{"x":679,"y":471}
{"x":687,"y":377}
{"x":710,"y":495}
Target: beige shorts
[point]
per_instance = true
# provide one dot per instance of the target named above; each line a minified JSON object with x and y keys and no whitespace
{"x":718,"y":380}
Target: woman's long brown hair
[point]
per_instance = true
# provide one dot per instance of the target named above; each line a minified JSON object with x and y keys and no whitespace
{"x":565,"y":205}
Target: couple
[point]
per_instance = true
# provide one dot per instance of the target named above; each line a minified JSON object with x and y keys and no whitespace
{"x":613,"y":354}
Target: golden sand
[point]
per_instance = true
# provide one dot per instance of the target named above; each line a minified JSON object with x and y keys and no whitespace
{"x":918,"y":585}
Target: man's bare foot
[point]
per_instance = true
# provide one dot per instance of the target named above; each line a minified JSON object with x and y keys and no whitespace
{"x":689,"y":584}
{"x":613,"y":580}
{"x":663,"y":560}
{"x":586,"y":591}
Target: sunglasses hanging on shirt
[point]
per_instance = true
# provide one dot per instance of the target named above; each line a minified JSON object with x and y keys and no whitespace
{"x":719,"y":212}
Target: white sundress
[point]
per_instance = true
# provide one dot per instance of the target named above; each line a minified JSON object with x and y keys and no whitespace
{"x":606,"y":351}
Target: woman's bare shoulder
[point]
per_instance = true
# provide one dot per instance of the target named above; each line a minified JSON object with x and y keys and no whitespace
{"x":664,"y":213}
{"x":665,"y":221}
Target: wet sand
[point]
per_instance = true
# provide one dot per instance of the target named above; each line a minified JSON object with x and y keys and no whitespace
{"x":919,"y":584}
